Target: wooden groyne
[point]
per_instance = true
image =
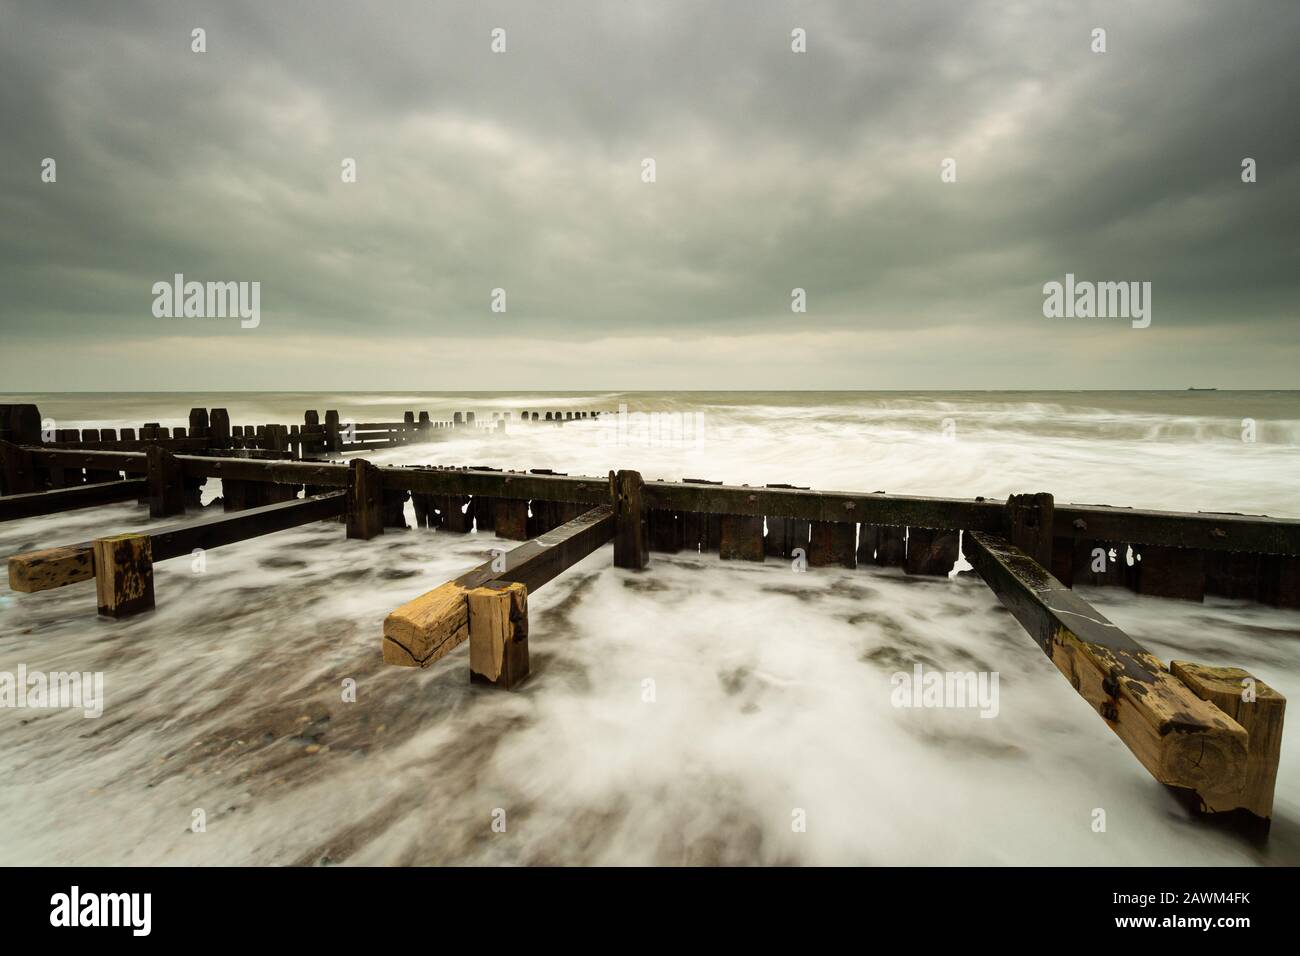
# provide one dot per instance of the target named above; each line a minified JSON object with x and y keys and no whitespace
{"x":1213,"y":731}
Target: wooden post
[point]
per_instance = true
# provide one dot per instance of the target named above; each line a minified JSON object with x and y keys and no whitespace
{"x":1170,"y":572}
{"x":395,"y":508}
{"x":665,"y":531}
{"x":17,"y":469}
{"x":454,"y":516}
{"x":24,"y":424}
{"x":199,"y":423}
{"x":741,"y":538}
{"x":1028,"y":526}
{"x":511,"y":519}
{"x":930,"y":551}
{"x":333,"y":441}
{"x":218,"y":428}
{"x":1260,"y":710}
{"x":123,"y":574}
{"x":166,"y":483}
{"x":868,"y":538}
{"x":1280,"y":580}
{"x":631,"y":546}
{"x":365,"y":516}
{"x":833,"y":542}
{"x":484,"y":510}
{"x":498,"y":634}
{"x":891,"y":546}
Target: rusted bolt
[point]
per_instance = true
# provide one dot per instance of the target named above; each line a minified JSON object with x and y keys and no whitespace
{"x":1218,"y":533}
{"x":1080,"y":524}
{"x":849,"y":506}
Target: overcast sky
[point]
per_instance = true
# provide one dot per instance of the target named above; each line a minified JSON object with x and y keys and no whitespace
{"x":522,"y":170}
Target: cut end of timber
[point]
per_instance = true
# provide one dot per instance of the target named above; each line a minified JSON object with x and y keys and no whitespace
{"x":427,"y":628}
{"x":1261,"y":712}
{"x":51,"y":568}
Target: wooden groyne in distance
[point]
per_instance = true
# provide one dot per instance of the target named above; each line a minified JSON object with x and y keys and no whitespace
{"x":1177,"y":720}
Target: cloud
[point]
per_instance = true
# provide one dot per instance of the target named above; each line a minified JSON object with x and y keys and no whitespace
{"x":775,"y":170}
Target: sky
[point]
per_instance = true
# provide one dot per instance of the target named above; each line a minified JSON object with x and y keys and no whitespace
{"x":524,"y":171}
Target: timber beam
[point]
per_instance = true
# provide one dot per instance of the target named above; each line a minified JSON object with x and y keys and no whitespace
{"x":1182,"y":739}
{"x":1207,"y":531}
{"x":429,"y":627}
{"x":13,"y":507}
{"x":61,"y":566}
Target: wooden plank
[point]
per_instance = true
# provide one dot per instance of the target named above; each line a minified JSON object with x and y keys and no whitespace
{"x":891,"y":546}
{"x":428,"y":627}
{"x":123,"y":574}
{"x":868,"y":539}
{"x":1207,"y":530}
{"x":741,"y":538}
{"x":832,"y":543}
{"x":631,"y":545}
{"x":18,"y":469}
{"x":51,"y":568}
{"x":511,"y":519}
{"x":1261,"y":711}
{"x":1170,"y":572}
{"x":36,"y":503}
{"x":664,"y":531}
{"x":455,"y":517}
{"x":1181,"y":740}
{"x":498,"y":634}
{"x":1280,"y":580}
{"x":930,"y":551}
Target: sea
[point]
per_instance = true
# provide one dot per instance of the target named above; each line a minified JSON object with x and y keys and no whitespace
{"x":701,"y":712}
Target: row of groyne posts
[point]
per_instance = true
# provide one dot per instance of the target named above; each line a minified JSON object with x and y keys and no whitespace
{"x":1213,"y":733}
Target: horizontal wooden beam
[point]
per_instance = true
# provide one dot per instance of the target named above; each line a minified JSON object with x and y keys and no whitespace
{"x":32,"y":504}
{"x":68,"y":564}
{"x":129,"y":444}
{"x":229,"y":527}
{"x":1205,"y":530}
{"x":430,"y":626}
{"x":1182,"y":740}
{"x":132,"y":462}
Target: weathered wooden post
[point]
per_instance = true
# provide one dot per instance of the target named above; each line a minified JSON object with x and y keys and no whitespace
{"x":631,"y":547}
{"x":166,"y":483}
{"x":218,"y":428}
{"x":199,"y":423}
{"x":333,"y":441}
{"x":833,"y":542}
{"x":891,"y":546}
{"x":1028,"y":525}
{"x":123,"y":574}
{"x":498,"y":634}
{"x":365,"y":499}
{"x":17,"y":469}
{"x":930,"y":551}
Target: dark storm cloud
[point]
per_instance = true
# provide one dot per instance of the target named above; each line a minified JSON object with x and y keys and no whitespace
{"x":775,"y":170}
